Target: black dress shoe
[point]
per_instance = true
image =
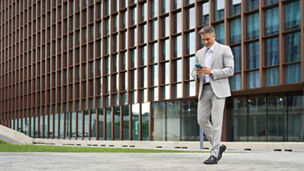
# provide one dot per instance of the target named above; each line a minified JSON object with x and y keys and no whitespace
{"x":221,"y":151}
{"x":211,"y":160}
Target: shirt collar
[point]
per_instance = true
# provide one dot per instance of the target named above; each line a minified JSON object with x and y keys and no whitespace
{"x":212,"y":47}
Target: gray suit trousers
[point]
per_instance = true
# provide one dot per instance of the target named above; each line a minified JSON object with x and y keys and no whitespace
{"x":210,"y":105}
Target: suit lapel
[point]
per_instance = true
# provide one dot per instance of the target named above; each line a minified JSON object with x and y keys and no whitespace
{"x":202,"y":62}
{"x":213,"y":55}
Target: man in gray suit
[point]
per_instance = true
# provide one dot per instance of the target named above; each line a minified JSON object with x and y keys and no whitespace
{"x":214,"y":64}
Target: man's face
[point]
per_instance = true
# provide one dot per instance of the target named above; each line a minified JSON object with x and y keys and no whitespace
{"x":208,"y":39}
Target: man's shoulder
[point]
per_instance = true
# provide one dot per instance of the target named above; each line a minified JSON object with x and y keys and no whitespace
{"x":223,"y":46}
{"x":200,"y":51}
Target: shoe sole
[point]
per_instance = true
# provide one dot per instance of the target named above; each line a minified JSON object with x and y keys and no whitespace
{"x":222,"y":152}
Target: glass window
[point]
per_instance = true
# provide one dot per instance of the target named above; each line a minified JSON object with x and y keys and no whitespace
{"x":79,"y":128}
{"x":235,"y":82}
{"x":124,"y":21}
{"x":154,"y":75}
{"x":220,"y":33}
{"x":292,"y":47}
{"x":268,"y":2}
{"x":86,"y":124}
{"x":252,"y":4}
{"x":133,"y":54}
{"x":236,"y":51}
{"x":190,"y":88}
{"x":178,"y":46}
{"x":190,"y":62}
{"x":178,"y":90}
{"x":159,"y":121}
{"x":239,"y":115}
{"x":166,"y":49}
{"x":166,"y":76}
{"x":252,"y":55}
{"x":165,"y":6}
{"x":295,"y":118}
{"x":190,"y":44}
{"x":55,"y":125}
{"x":177,"y":22}
{"x":135,"y":121}
{"x":133,"y":77}
{"x":253,"y":79}
{"x":144,"y":55}
{"x":177,"y":4}
{"x":252,"y":26}
{"x":115,"y":23}
{"x":133,"y":37}
{"x":204,"y":14}
{"x":272,"y":76}
{"x":133,"y":16}
{"x":145,"y":120}
{"x":109,"y":123}
{"x":107,"y":45}
{"x":257,"y":125}
{"x":124,"y":60}
{"x":93,"y":124}
{"x":114,"y":63}
{"x":143,"y":33}
{"x":114,"y":43}
{"x":50,"y":126}
{"x":165,"y":26}
{"x":107,"y":7}
{"x":117,"y":122}
{"x":235,"y":7}
{"x":100,"y":124}
{"x":293,"y":73}
{"x":272,"y":51}
{"x":178,"y":70}
{"x":173,"y":121}
{"x":190,"y":18}
{"x":143,"y":8}
{"x":154,"y":53}
{"x":125,"y":122}
{"x":292,"y":15}
{"x":154,"y":29}
{"x":219,"y":9}
{"x":154,"y":8}
{"x":73,"y":124}
{"x":272,"y":21}
{"x":124,"y":40}
{"x":235,"y":30}
{"x":124,"y":80}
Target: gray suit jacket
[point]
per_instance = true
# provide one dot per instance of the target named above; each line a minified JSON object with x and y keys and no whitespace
{"x":222,"y":67}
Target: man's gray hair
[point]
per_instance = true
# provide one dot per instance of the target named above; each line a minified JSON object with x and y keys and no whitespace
{"x":207,"y":29}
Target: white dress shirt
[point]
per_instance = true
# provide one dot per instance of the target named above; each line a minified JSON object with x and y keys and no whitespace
{"x":208,"y":56}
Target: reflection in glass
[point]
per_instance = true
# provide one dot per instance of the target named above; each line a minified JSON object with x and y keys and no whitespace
{"x":145,"y":120}
{"x":292,"y":47}
{"x":190,"y":88}
{"x":50,"y":126}
{"x":293,"y":73}
{"x":235,"y":30}
{"x":276,"y":118}
{"x":154,"y":8}
{"x":73,"y":124}
{"x":154,"y":75}
{"x":55,"y":125}
{"x":253,"y":79}
{"x":295,"y":118}
{"x":178,"y":46}
{"x":165,"y":26}
{"x":117,"y":122}
{"x":272,"y":51}
{"x":93,"y":124}
{"x":236,"y":51}
{"x":190,"y":18}
{"x":154,"y":53}
{"x":61,"y":126}
{"x":239,"y":117}
{"x":166,"y":49}
{"x":154,"y":29}
{"x":125,"y":121}
{"x":252,"y":4}
{"x":253,"y":55}
{"x":257,"y":126}
{"x":165,"y":6}
{"x":272,"y":76}
{"x":220,"y":33}
{"x":190,"y":46}
{"x":79,"y":128}
{"x":135,"y":122}
{"x":159,"y":125}
{"x":177,"y":22}
{"x":252,"y":26}
{"x":100,"y":124}
{"x":235,"y":82}
{"x":109,"y":123}
{"x":235,"y":7}
{"x":204,"y":14}
{"x":86,"y":124}
{"x":292,"y":17}
{"x":271,"y":21}
{"x":219,"y":10}
{"x":268,"y":2}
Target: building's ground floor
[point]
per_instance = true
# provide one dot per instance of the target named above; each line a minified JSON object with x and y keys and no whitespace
{"x":267,"y":117}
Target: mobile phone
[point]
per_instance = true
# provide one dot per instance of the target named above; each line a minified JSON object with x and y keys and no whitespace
{"x":198,"y":66}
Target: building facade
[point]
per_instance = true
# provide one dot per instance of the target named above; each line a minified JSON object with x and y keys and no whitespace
{"x":120,"y":69}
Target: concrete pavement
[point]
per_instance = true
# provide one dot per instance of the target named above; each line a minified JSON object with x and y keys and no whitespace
{"x":232,"y":160}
